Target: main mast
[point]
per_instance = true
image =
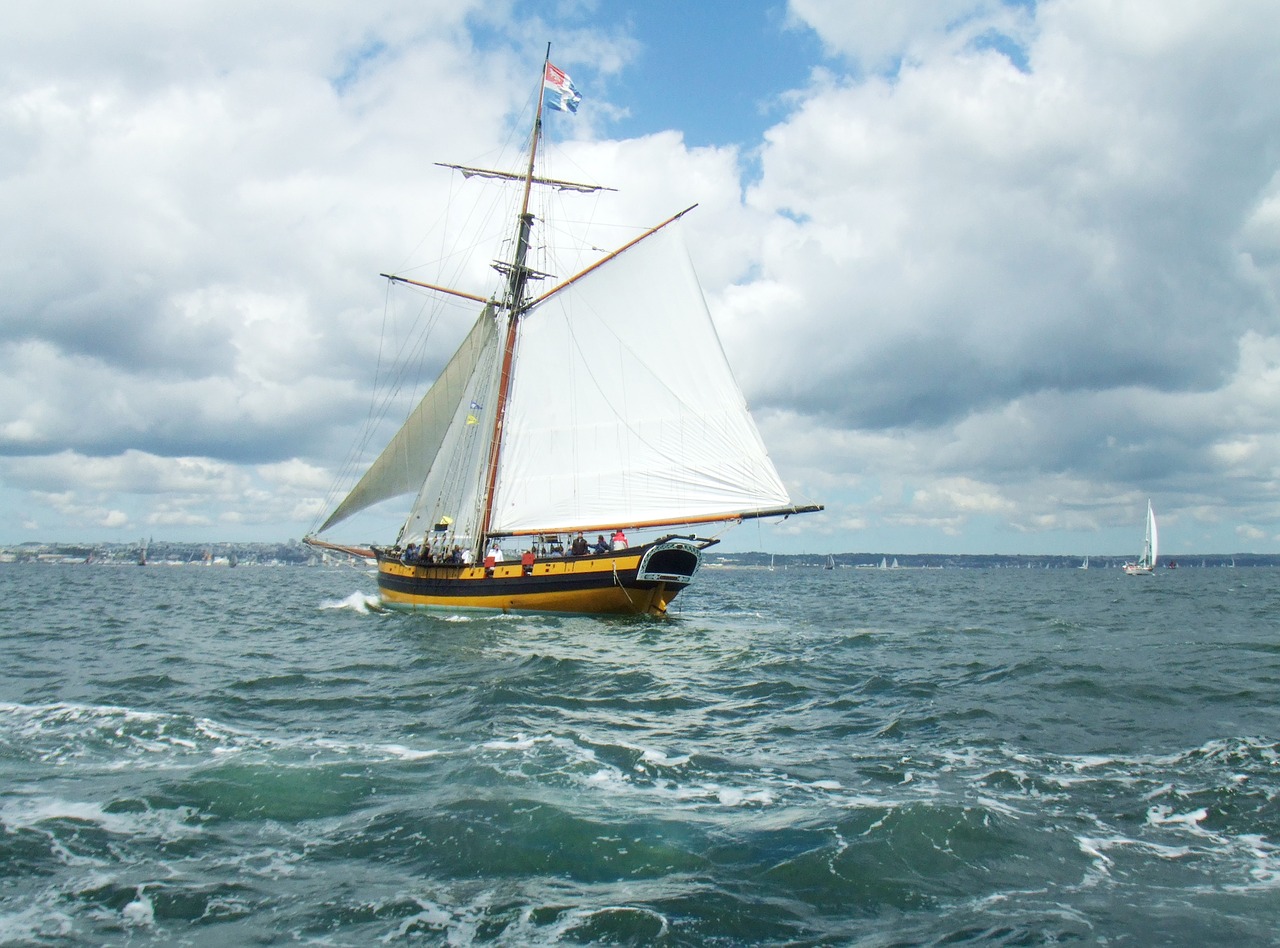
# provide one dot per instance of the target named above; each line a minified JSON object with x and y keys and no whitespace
{"x":517,"y":278}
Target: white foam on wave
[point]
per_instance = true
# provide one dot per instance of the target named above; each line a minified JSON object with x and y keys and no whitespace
{"x":1003,"y":807}
{"x":1163,"y":815}
{"x":732,"y":796}
{"x":33,"y":813}
{"x":653,"y":755}
{"x":431,"y":918}
{"x":359,"y":602}
{"x":517,"y":743}
{"x":139,"y":913}
{"x":111,"y":737}
{"x":1266,"y":859}
{"x":35,"y":924}
{"x":401,"y":752}
{"x":571,"y":926}
{"x":114,"y":738}
{"x":614,"y":780}
{"x":40,"y":715}
{"x":662,"y":760}
{"x":1096,"y":849}
{"x":609,"y":779}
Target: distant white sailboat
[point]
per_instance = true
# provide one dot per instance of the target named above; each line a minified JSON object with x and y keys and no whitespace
{"x":1146,"y":564}
{"x":1085,"y":564}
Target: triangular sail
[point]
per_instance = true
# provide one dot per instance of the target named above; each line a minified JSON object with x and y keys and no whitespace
{"x":403,"y":464}
{"x":1153,"y":537}
{"x":623,"y":409}
{"x":449,"y":507}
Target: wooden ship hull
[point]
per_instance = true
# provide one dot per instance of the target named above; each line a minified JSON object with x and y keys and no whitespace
{"x":639,"y":581}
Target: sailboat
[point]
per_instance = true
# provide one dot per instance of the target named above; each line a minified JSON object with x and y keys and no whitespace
{"x":1146,"y":563}
{"x":1085,"y":564}
{"x":603,"y":406}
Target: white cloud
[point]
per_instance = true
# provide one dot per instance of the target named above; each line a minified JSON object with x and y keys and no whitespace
{"x":1001,"y":268}
{"x":879,"y":34}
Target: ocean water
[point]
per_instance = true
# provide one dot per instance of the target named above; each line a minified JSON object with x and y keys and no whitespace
{"x":254,"y":756}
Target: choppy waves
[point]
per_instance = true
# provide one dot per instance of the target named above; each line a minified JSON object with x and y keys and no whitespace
{"x":556,"y":836}
{"x":732,"y":777}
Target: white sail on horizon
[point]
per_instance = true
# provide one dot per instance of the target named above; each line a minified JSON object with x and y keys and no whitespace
{"x":1152,"y":545}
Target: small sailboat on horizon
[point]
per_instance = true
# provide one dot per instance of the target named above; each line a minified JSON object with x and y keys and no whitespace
{"x":601,"y":406}
{"x":1146,"y":564}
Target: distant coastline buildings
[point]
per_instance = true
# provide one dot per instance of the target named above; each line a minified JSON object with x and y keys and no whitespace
{"x":295,"y":553}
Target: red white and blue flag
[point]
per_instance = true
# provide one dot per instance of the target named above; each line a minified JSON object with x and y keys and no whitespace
{"x":560,"y":93}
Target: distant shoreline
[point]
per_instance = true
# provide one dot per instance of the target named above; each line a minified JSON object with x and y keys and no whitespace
{"x":295,"y":553}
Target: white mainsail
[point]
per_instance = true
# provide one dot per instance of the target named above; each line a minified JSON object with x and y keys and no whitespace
{"x":1152,"y":544}
{"x":623,"y":409}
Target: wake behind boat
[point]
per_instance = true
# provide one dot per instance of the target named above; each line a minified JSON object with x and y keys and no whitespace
{"x":601,"y":407}
{"x":1146,"y":564}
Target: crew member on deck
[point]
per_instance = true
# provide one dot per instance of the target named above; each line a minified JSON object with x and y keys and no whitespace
{"x":579,"y":547}
{"x":601,"y":546}
{"x":619,"y":539}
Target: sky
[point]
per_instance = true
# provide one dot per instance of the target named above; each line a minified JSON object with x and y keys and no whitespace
{"x":990,"y":274}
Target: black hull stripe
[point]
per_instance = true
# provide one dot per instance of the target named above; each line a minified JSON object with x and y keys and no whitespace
{"x":512,"y":585}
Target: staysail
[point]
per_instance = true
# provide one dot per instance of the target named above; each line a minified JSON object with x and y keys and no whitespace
{"x":404,"y":463}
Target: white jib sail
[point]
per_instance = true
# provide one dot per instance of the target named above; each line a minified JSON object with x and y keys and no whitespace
{"x":403,"y":464}
{"x":623,"y":409}
{"x":448,"y":507}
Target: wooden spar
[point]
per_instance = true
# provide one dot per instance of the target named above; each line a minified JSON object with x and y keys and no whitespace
{"x":605,"y":259}
{"x":467,"y":172}
{"x":537,"y":133}
{"x":357,"y":551}
{"x":431,"y":286}
{"x":674,"y":522}
{"x":515,"y":292}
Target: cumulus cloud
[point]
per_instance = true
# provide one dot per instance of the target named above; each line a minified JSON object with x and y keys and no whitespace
{"x":1057,"y":268}
{"x":1000,"y":271}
